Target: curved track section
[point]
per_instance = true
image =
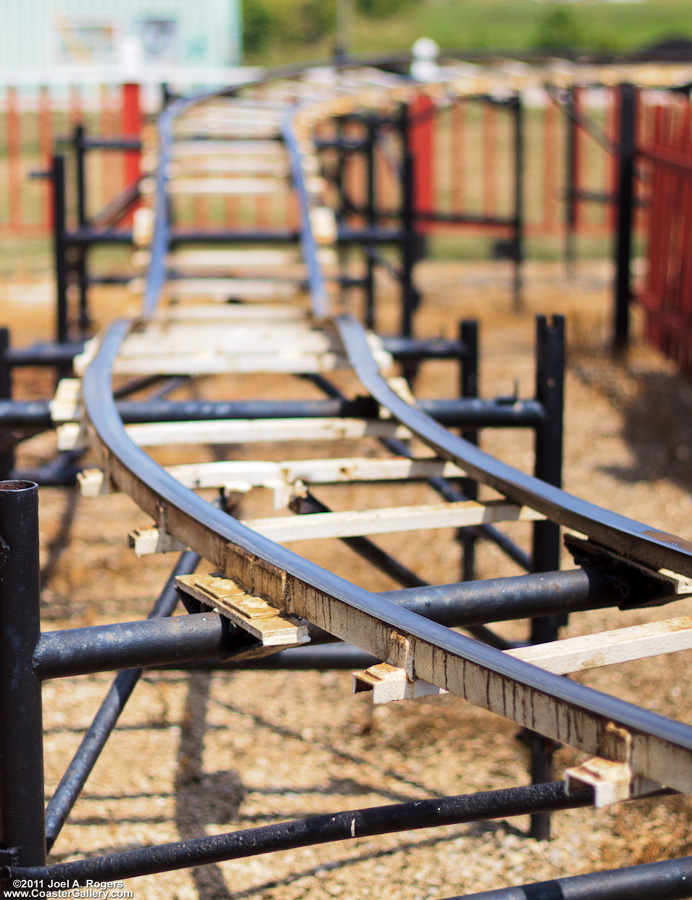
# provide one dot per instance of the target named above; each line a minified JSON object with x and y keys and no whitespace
{"x":286,"y":320}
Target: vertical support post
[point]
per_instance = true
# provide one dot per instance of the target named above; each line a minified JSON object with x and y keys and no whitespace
{"x":60,"y":249}
{"x":408,"y":226}
{"x":550,"y":373}
{"x":82,"y":221}
{"x":22,"y":825}
{"x":421,"y":143}
{"x":131,"y":127}
{"x":371,"y":220}
{"x":623,"y":241}
{"x":468,"y":335}
{"x":6,"y":455}
{"x":572,"y":167}
{"x":516,"y":106}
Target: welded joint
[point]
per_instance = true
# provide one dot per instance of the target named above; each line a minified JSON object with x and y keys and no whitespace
{"x":389,"y":683}
{"x":270,"y":625}
{"x":145,"y":541}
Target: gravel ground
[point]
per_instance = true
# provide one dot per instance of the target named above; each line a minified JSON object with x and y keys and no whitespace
{"x":203,"y":754}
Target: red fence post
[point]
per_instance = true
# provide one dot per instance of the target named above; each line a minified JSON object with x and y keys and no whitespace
{"x":14,"y":162}
{"x":45,"y":142}
{"x":421,"y":143}
{"x":132,"y":127}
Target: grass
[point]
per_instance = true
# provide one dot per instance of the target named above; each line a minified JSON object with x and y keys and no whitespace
{"x":499,"y":25}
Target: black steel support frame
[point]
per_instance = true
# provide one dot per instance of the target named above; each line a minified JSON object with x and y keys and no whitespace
{"x":625,"y":217}
{"x":26,"y":657}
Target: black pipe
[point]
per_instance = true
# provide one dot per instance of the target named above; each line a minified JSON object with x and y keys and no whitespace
{"x":550,"y":374}
{"x":125,"y":645}
{"x":21,"y":729}
{"x":104,"y":722}
{"x":517,"y":107}
{"x":341,"y":826}
{"x":48,"y":354}
{"x":6,"y":450}
{"x":625,"y":214}
{"x":468,"y":388}
{"x":667,"y":880}
{"x":59,"y":249}
{"x":318,"y":657}
{"x":370,"y":219}
{"x":35,"y":414}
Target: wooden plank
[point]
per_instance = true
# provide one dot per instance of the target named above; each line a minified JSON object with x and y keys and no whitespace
{"x":271,"y":626}
{"x":241,"y":475}
{"x":235,"y":186}
{"x":244,"y":431}
{"x":210,"y":363}
{"x":293,"y":339}
{"x":225,"y":147}
{"x":610,"y":647}
{"x":391,"y":519}
{"x":232,"y":287}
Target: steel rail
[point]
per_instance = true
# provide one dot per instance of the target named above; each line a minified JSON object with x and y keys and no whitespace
{"x":635,"y":540}
{"x":561,"y":709}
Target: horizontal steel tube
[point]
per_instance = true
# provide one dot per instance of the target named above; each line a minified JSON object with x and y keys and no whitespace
{"x":417,"y":348}
{"x":461,"y":412}
{"x":323,"y":829}
{"x":25,"y":414}
{"x":128,"y":645}
{"x":667,"y":880}
{"x":319,"y":657}
{"x":50,"y":354}
{"x":517,"y":597}
{"x":372,"y":235}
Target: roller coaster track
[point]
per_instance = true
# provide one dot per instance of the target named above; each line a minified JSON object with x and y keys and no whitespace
{"x":287,"y":318}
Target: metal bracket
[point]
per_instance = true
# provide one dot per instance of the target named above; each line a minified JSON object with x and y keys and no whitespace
{"x":9,"y":856}
{"x":389,"y":683}
{"x":638,"y":585}
{"x":611,"y":775}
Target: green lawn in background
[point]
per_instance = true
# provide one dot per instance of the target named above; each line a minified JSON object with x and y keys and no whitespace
{"x":499,"y":25}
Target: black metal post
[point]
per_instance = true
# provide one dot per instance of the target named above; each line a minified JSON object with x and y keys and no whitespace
{"x":6,"y":453}
{"x":518,"y":110}
{"x":625,"y":210}
{"x":82,"y":220}
{"x":571,"y":186}
{"x":99,"y":731}
{"x":408,"y":225}
{"x":60,"y":248}
{"x":371,"y":219}
{"x":550,"y":351}
{"x":22,"y":825}
{"x":468,"y":335}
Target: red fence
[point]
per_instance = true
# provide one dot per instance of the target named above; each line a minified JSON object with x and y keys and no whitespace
{"x":667,"y":295}
{"x":465,"y":156}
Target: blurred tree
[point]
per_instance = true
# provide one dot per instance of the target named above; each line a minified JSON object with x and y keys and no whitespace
{"x":380,"y":9}
{"x":558,"y":28}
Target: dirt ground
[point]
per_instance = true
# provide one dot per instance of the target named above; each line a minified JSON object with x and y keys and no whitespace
{"x":207,"y":753}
